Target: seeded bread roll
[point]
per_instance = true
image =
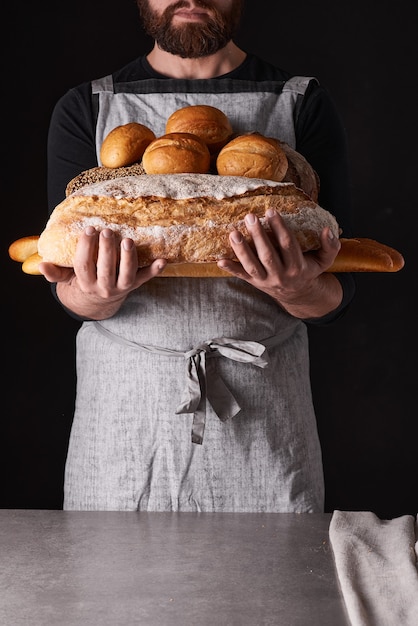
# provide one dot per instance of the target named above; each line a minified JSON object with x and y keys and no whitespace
{"x":125,"y":144}
{"x":96,"y":174}
{"x":184,"y":218}
{"x":176,"y":153}
{"x":207,"y":122}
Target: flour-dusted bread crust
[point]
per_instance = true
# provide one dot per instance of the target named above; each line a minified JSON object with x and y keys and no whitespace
{"x":184,"y":218}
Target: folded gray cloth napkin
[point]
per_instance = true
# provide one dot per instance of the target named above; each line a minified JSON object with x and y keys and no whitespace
{"x":376,"y":562}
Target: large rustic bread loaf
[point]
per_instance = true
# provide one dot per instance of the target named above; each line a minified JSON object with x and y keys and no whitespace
{"x":184,"y":218}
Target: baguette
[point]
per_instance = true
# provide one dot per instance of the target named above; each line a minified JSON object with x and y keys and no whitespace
{"x":360,"y":254}
{"x":25,"y":251}
{"x":31,"y":265}
{"x":356,"y":255}
{"x":22,"y":248}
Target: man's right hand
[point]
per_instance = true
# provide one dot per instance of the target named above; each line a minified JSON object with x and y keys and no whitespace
{"x":104,"y":274}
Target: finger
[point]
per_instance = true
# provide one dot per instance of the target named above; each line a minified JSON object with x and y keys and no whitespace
{"x":251,"y":266}
{"x":128,"y":264}
{"x":264,"y":243}
{"x":146,"y":273}
{"x":330,"y":247}
{"x":86,"y":254}
{"x":129,"y":275}
{"x":107,"y":258}
{"x":329,"y":242}
{"x":233,"y":267}
{"x":54,"y":273}
{"x":287,"y":246}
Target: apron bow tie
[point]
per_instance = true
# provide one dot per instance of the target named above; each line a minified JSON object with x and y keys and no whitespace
{"x":204,"y":383}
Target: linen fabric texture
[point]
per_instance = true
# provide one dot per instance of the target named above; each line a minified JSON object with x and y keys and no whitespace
{"x":376,"y":562}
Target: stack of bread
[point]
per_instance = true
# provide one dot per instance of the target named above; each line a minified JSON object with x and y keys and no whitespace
{"x":179,"y":195}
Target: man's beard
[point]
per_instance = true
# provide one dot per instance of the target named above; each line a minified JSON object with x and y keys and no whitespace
{"x":191,"y":41}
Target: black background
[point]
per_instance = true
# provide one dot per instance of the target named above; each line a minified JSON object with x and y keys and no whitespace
{"x":363,"y":367}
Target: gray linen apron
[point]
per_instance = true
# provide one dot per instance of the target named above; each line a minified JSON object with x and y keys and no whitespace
{"x":195,"y":396}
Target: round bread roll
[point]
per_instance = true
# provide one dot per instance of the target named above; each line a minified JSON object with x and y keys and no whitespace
{"x":207,"y":122}
{"x":176,"y":153}
{"x":125,"y":144}
{"x":254,"y":156}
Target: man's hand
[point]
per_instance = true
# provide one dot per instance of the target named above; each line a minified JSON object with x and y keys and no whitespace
{"x":104,"y":274}
{"x":296,"y":280}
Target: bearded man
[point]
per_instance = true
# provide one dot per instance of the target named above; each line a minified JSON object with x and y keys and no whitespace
{"x":130,"y":447}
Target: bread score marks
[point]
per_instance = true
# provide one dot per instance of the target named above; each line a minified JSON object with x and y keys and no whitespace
{"x":184,"y":218}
